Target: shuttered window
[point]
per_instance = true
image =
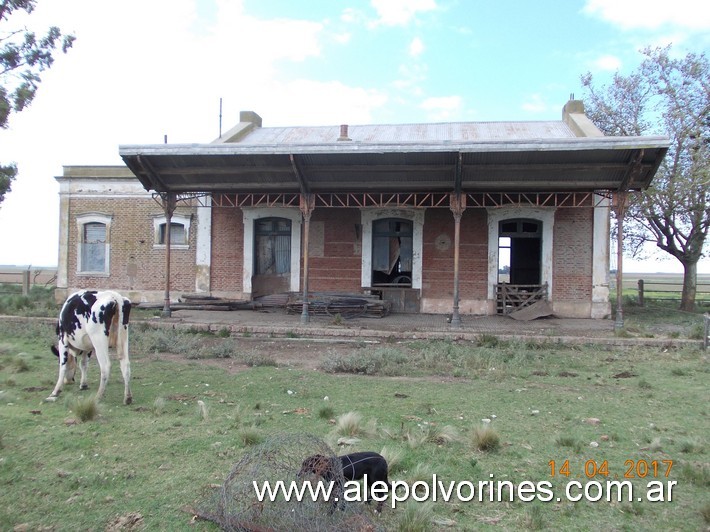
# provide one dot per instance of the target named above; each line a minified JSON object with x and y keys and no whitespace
{"x":272,"y":246}
{"x":93,"y":247}
{"x":178,"y":234}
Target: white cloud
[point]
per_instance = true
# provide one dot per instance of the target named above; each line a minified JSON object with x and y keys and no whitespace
{"x":652,"y":14}
{"x":609,"y":63}
{"x":400,"y":12}
{"x":416,"y":47}
{"x":312,"y":102}
{"x":410,"y":77}
{"x":535,"y":103}
{"x":141,"y":70}
{"x":443,"y":108}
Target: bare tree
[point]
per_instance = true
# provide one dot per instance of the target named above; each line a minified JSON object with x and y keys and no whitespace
{"x":666,"y":96}
{"x":23,"y":56}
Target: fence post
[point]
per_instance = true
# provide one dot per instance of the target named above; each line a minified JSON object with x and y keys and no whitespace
{"x":706,"y":332}
{"x":641,"y":292}
{"x":25,"y":282}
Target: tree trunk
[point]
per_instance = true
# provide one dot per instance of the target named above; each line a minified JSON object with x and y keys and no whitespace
{"x":690,"y":280}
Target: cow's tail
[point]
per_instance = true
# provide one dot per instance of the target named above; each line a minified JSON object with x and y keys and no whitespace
{"x":118,"y":332}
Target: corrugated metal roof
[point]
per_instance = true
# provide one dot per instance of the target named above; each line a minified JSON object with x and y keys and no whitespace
{"x":410,"y":133}
{"x":440,"y":157}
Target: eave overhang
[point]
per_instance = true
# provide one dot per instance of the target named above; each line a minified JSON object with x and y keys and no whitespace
{"x":558,"y":165}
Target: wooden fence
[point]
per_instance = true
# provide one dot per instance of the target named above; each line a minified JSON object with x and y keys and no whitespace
{"x":669,"y":291}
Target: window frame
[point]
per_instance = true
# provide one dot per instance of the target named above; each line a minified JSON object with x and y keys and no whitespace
{"x":272,"y":234}
{"x":82,"y":221}
{"x":159,"y":225}
{"x":367,"y":218}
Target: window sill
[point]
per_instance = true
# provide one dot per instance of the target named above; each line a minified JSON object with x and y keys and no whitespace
{"x":172,"y":246}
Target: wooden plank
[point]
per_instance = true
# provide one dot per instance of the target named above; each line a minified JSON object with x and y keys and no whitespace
{"x":538,"y":309}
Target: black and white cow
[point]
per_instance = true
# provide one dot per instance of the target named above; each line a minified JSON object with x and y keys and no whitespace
{"x":89,"y":321}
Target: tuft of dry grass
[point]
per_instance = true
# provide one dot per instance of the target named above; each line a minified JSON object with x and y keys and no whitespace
{"x":85,"y":408}
{"x":485,"y":439}
{"x":393,"y":457}
{"x":416,"y":517}
{"x":351,"y":424}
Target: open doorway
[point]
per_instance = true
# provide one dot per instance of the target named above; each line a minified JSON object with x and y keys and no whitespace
{"x":519,"y":251}
{"x":392,"y":252}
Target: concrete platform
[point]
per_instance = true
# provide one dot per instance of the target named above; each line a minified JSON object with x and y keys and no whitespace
{"x":277,"y":322}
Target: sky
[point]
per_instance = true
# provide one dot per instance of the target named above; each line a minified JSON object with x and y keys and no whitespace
{"x":141,"y":70}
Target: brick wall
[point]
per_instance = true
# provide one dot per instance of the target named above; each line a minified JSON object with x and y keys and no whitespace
{"x":572,"y":254}
{"x":335,"y":258}
{"x":227,"y":250}
{"x":132,"y":248}
{"x":438,"y":254}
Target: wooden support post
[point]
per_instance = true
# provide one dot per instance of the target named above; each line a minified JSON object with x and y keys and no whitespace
{"x":26,"y":282}
{"x":457,"y":205}
{"x":621,"y":198}
{"x":169,"y":203}
{"x":307,"y":204}
{"x":641,"y":301}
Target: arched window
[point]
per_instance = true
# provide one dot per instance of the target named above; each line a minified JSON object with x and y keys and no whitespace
{"x":272,"y":246}
{"x":93,"y":243}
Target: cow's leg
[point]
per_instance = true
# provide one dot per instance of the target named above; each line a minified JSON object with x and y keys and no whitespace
{"x":70,"y":369}
{"x":122,"y":352}
{"x":101,"y":350}
{"x":84,"y":367}
{"x":126,"y":370}
{"x":64,"y":356}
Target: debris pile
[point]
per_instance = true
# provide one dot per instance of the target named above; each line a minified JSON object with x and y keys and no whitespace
{"x":346,"y":306}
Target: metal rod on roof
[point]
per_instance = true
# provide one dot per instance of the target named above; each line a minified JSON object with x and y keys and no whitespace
{"x":220,"y":118}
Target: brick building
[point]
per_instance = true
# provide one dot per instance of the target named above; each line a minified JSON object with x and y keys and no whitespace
{"x":436,"y":218}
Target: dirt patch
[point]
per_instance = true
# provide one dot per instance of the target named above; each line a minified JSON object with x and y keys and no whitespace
{"x":306,"y":353}
{"x":625,"y":375}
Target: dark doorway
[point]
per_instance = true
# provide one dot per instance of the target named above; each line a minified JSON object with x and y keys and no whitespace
{"x":392,"y":252}
{"x":519,"y":251}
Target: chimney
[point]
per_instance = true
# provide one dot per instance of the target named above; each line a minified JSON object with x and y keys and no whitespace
{"x":344,"y":133}
{"x":573,"y":115}
{"x":248,"y":122}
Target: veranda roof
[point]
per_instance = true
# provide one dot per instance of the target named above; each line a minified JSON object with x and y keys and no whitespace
{"x":463,"y":157}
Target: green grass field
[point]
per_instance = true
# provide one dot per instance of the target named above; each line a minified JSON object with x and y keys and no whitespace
{"x":422,"y":402}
